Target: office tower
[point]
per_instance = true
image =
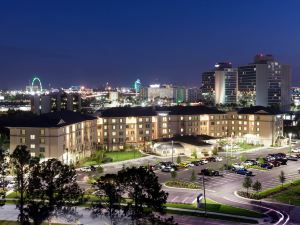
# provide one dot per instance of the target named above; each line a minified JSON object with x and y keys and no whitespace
{"x":225,"y":84}
{"x":264,"y":82}
{"x":55,"y":101}
{"x":219,"y":86}
{"x":208,"y":86}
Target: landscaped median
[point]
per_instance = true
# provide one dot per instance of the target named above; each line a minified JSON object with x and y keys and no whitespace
{"x":216,"y":211}
{"x":281,"y":192}
{"x":182,"y":184}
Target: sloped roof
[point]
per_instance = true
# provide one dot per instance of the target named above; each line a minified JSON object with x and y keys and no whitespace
{"x":153,"y":111}
{"x":53,"y":119}
{"x":260,"y":110}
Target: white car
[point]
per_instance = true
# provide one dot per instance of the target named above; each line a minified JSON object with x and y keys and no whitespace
{"x":85,"y":169}
{"x":219,"y":159}
{"x":237,"y":166}
{"x":296,"y":150}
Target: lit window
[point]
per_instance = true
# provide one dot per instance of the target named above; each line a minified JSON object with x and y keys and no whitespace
{"x":140,"y":125}
{"x":147,"y":131}
{"x":23,"y":132}
{"x":164,"y":124}
{"x":114,"y":133}
{"x":32,"y":146}
{"x":165,"y":131}
{"x":113,"y":120}
{"x":42,"y":131}
{"x":42,"y":140}
{"x":181,"y":129}
{"x":140,"y":119}
{"x":32,"y":137}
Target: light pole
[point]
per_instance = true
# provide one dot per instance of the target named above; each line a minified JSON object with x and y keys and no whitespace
{"x":172,"y":151}
{"x":290,"y":142}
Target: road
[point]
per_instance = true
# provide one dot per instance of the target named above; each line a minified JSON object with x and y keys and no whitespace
{"x":222,"y":189}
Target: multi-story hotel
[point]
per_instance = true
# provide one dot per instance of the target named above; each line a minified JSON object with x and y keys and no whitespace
{"x":118,"y":127}
{"x":65,"y":135}
{"x":70,"y":136}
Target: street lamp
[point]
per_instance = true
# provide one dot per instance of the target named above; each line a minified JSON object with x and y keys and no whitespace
{"x":172,"y":151}
{"x":290,"y":136}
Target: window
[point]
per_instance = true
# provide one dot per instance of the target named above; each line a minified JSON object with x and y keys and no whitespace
{"x":121,"y":120}
{"x":113,"y":120}
{"x":42,"y":140}
{"x":164,"y":118}
{"x":147,"y":119}
{"x":23,"y":132}
{"x":164,"y":125}
{"x":113,"y":127}
{"x":42,"y":149}
{"x":140,"y":125}
{"x":32,"y":146}
{"x":147,"y":131}
{"x":212,"y":123}
{"x":121,"y":127}
{"x":42,"y":132}
{"x":165,"y":131}
{"x":32,"y":137}
{"x":147,"y":125}
{"x":22,"y":140}
{"x":140,"y":119}
{"x":114,"y":133}
{"x":181,"y":118}
{"x":141,"y":132}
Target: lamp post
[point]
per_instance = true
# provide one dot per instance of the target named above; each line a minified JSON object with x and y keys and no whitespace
{"x":172,"y":151}
{"x":290,"y":142}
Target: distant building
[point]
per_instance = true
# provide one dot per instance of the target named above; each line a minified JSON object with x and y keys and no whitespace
{"x":295,"y":97}
{"x":219,"y":86}
{"x":193,"y":95}
{"x":55,"y":101}
{"x":164,"y":93}
{"x":137,"y":86}
{"x":208,"y":86}
{"x":265,"y":82}
{"x":225,"y":84}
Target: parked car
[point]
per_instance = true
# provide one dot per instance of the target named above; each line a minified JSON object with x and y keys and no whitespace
{"x":283,"y":161}
{"x":267,"y":166}
{"x":296,"y":150}
{"x":198,"y":163}
{"x":219,"y":159}
{"x":237,"y":166}
{"x":275,"y":163}
{"x":244,"y":172}
{"x":204,"y":161}
{"x":183,"y":164}
{"x":292,"y":158}
{"x":211,"y":159}
{"x":209,"y":172}
{"x":250,"y":162}
{"x":167,"y":169}
{"x":85,"y":169}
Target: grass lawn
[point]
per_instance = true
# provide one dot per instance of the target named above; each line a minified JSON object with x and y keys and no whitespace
{"x":289,"y":196}
{"x":124,"y":155}
{"x":213,"y":206}
{"x":115,"y":156}
{"x":182,"y":184}
{"x":215,"y":217}
{"x":245,"y":146}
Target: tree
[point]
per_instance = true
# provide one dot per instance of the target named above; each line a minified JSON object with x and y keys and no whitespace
{"x":173,"y":174}
{"x":3,"y":173}
{"x":282,"y":178}
{"x":261,"y":160}
{"x":109,"y":196}
{"x":144,"y":191}
{"x":256,"y":186}
{"x":194,"y":154}
{"x":54,"y":185}
{"x":193,"y":176}
{"x":21,"y":159}
{"x":247,"y":184}
{"x":243,"y":158}
{"x":178,"y":160}
{"x":156,"y":220}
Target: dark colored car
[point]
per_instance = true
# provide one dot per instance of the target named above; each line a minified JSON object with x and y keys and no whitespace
{"x":275,"y":163}
{"x":211,"y":159}
{"x":244,"y":172}
{"x":267,"y":166}
{"x":292,"y":158}
{"x":209,"y":172}
{"x":198,"y":163}
{"x":283,"y":161}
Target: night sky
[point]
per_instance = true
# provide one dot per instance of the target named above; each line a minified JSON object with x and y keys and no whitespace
{"x":68,"y":42}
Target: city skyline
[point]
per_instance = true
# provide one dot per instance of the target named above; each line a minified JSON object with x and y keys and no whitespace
{"x":118,"y":42}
